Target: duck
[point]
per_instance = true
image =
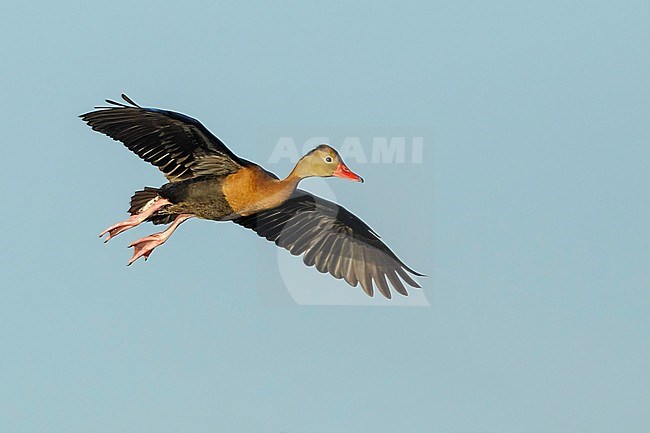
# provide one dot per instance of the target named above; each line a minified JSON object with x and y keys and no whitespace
{"x":206,"y":180}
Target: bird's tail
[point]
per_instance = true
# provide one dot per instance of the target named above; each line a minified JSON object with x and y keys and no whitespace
{"x":144,"y":198}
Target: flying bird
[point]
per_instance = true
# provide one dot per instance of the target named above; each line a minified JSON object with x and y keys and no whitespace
{"x":208,"y":181}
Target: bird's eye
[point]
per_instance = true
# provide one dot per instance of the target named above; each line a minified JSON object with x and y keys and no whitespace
{"x":328,"y":159}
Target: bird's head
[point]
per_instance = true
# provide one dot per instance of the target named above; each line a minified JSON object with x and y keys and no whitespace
{"x":324,"y":161}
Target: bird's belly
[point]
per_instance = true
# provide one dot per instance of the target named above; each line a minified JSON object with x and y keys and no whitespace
{"x":203,"y":199}
{"x":207,"y":209}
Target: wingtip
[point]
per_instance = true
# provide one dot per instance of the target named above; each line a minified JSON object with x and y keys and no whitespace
{"x":416,"y":273}
{"x":129,"y":100}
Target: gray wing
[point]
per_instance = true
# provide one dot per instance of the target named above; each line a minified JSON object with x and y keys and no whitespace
{"x":334,"y":240}
{"x":180,"y":146}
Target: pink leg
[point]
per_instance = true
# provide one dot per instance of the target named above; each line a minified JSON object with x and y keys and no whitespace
{"x":135,"y":219}
{"x":143,"y":247}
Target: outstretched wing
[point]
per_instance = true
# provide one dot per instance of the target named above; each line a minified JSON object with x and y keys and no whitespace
{"x":180,"y":146}
{"x":334,"y":240}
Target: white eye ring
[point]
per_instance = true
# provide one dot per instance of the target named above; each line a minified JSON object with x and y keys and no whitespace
{"x":328,"y":159}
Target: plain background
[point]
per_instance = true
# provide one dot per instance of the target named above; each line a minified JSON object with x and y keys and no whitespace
{"x":529,"y":213}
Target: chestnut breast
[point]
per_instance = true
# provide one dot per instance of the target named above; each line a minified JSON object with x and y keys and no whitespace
{"x":251,"y":190}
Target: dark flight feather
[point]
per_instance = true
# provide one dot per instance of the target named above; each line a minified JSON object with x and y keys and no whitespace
{"x":180,"y":146}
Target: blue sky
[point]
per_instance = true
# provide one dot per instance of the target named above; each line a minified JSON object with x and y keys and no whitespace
{"x":528,"y":212}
